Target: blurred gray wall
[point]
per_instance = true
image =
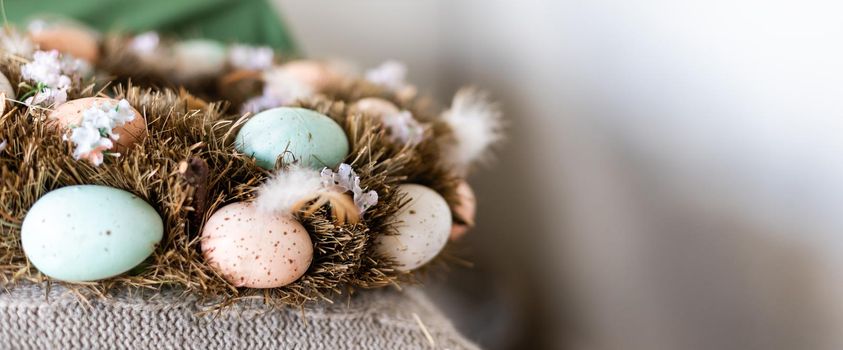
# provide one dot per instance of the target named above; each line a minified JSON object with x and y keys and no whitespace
{"x":674,"y":178}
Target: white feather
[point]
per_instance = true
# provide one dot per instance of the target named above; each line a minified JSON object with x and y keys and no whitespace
{"x":278,"y":194}
{"x":477,"y":124}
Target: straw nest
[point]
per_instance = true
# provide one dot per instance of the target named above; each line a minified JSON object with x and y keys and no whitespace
{"x":188,"y":167}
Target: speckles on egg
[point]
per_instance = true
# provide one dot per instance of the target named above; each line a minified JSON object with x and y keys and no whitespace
{"x":423,"y":227}
{"x":253,"y":249}
{"x":297,"y":134}
{"x":87,"y":233}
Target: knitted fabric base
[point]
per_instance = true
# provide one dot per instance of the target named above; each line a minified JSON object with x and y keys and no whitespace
{"x":382,"y":319}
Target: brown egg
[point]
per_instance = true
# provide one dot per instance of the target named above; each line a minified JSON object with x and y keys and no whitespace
{"x":253,"y":249}
{"x":376,"y":107}
{"x":465,"y":211}
{"x":79,"y":42}
{"x":317,"y":75}
{"x":70,"y":113}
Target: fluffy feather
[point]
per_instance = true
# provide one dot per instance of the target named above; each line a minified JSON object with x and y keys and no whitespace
{"x":282,"y":193}
{"x":477,"y":125}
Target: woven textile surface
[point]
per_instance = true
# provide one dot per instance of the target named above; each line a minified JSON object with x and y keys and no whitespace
{"x":377,"y":319}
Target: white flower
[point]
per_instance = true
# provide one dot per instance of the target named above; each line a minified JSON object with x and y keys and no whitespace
{"x":250,"y":57}
{"x":50,"y":72}
{"x":404,"y":128}
{"x":95,"y":134}
{"x":48,"y":96}
{"x":145,"y":44}
{"x":71,"y":65}
{"x":391,"y":74}
{"x":345,"y":179}
{"x":89,"y":143}
{"x":45,"y":68}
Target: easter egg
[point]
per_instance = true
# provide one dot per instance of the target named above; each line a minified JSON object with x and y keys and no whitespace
{"x":88,"y":232}
{"x":311,"y":138}
{"x":423,"y":227}
{"x":6,"y":87}
{"x":464,"y":211}
{"x":253,"y":249}
{"x":77,"y":41}
{"x":198,"y":58}
{"x":374,"y":106}
{"x":70,"y":114}
{"x":317,"y":75}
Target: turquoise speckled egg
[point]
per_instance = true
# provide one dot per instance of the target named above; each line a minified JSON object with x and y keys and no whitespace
{"x":88,"y":233}
{"x":311,"y":138}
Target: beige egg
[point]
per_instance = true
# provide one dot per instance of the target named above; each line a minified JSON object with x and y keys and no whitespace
{"x":6,"y":87}
{"x":69,"y":114}
{"x":316,"y":75}
{"x":253,"y":249}
{"x":423,"y":227}
{"x":79,"y":42}
{"x":464,"y":211}
{"x":376,"y":107}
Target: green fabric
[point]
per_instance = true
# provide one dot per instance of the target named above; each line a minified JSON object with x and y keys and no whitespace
{"x":244,"y":21}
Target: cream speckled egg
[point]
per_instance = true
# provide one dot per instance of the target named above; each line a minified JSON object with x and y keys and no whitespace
{"x":374,"y":106}
{"x":255,"y":249}
{"x":465,"y":211}
{"x":424,"y":225}
{"x":70,"y":113}
{"x":76,"y":41}
{"x":317,"y":75}
{"x":6,"y":87}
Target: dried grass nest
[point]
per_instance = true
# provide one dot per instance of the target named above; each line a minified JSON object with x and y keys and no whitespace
{"x":187,"y":168}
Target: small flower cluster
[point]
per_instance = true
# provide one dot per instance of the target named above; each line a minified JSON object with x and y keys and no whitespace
{"x":96,"y":133}
{"x":404,"y":128}
{"x":250,"y":57}
{"x":51,"y":74}
{"x":280,"y":89}
{"x":345,"y":179}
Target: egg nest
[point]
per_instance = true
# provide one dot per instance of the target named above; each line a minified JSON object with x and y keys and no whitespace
{"x":187,"y":167}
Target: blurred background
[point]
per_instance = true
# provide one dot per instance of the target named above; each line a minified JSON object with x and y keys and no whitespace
{"x":674,"y":176}
{"x":674,"y":173}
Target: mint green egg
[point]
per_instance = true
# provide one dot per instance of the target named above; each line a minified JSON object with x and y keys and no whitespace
{"x":311,"y":138}
{"x":88,"y":232}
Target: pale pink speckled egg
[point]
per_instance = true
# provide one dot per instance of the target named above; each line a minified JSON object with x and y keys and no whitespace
{"x":254,"y":249}
{"x":376,"y":107}
{"x":465,"y":211}
{"x":317,"y":75}
{"x":70,"y":114}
